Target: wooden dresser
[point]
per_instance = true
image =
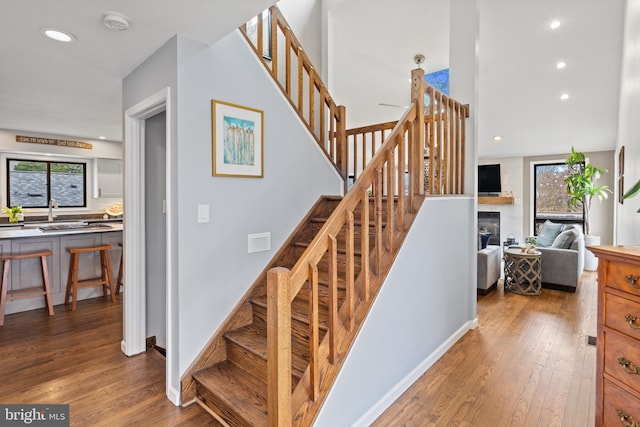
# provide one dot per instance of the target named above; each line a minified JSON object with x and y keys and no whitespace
{"x":618,"y":346}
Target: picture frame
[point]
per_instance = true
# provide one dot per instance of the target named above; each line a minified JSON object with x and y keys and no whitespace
{"x":621,"y":175}
{"x":237,"y":140}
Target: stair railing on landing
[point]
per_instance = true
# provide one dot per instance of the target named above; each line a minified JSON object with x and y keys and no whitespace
{"x":385,"y":180}
{"x":444,"y":136}
{"x":280,"y":52}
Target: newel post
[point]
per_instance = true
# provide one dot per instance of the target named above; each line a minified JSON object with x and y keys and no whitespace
{"x":417,"y":144}
{"x":278,"y":347}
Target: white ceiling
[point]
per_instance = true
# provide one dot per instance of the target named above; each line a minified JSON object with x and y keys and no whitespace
{"x":75,"y":89}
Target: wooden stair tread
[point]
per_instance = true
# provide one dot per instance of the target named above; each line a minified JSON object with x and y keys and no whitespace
{"x":255,"y":340}
{"x":234,"y":388}
{"x":299,"y":310}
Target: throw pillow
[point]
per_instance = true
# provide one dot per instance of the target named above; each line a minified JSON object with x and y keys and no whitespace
{"x":485,"y":239}
{"x":548,"y":233}
{"x":565,"y":239}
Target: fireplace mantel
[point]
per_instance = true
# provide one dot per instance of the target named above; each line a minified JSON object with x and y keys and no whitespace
{"x":500,"y":200}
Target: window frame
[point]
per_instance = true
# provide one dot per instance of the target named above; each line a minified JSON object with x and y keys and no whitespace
{"x":85,"y":165}
{"x":535,"y":221}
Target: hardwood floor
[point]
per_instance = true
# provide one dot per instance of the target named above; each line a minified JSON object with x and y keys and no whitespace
{"x":527,"y":364}
{"x":75,"y":358}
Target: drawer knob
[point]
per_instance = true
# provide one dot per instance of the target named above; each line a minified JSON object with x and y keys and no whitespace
{"x":632,"y":281}
{"x":627,"y":420}
{"x":633,"y":321}
{"x":628,"y":366}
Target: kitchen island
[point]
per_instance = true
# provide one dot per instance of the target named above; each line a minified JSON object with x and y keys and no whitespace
{"x":57,"y":237}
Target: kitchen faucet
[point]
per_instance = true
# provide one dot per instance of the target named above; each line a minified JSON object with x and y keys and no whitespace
{"x":52,"y":204}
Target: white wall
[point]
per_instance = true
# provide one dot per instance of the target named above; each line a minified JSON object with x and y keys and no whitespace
{"x":418,"y":314}
{"x":627,"y":219}
{"x":511,"y":220}
{"x":304,"y":17}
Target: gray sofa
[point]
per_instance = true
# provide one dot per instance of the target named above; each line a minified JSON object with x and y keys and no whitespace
{"x":488,"y":268}
{"x":562,"y":262}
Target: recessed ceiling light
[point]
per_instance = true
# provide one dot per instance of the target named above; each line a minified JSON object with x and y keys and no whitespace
{"x":560,"y":65}
{"x":58,"y":35}
{"x":497,"y":138}
{"x":564,"y":96}
{"x":102,"y":137}
{"x":554,"y":24}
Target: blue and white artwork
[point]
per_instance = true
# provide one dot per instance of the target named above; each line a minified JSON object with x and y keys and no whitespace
{"x":239,"y":141}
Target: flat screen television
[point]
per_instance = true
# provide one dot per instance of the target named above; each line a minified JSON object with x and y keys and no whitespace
{"x":489,"y":180}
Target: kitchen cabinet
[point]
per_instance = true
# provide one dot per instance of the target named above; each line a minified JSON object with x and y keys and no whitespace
{"x":108,"y":178}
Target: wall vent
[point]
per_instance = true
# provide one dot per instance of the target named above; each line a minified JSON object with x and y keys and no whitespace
{"x":259,"y":242}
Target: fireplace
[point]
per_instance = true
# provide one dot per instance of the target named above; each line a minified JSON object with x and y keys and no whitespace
{"x":490,"y":221}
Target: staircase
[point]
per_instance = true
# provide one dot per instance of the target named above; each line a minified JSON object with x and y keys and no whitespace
{"x":276,"y":357}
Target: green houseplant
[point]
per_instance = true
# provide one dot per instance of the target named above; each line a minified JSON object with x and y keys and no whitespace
{"x":581,"y":185}
{"x":633,"y":191}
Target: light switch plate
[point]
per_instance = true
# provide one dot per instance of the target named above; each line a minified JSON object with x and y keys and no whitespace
{"x":203,"y":213}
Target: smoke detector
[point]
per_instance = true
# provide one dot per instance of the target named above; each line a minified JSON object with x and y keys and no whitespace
{"x":419,"y":59}
{"x":115,"y":21}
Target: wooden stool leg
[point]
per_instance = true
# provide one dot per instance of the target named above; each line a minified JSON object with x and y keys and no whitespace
{"x":119,"y":281}
{"x":103,"y":275}
{"x":47,"y":285}
{"x":107,"y":265}
{"x":4,"y":284}
{"x":69,"y":279}
{"x":76,"y":269}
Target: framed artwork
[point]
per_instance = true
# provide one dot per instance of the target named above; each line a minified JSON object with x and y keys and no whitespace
{"x":621,"y":175}
{"x":237,"y":140}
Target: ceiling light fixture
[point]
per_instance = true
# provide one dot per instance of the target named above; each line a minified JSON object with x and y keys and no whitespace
{"x":497,"y":138}
{"x":102,"y":137}
{"x":419,"y":59}
{"x":58,"y":35}
{"x":115,"y":21}
{"x":554,"y":24}
{"x":564,"y":96}
{"x":560,"y":65}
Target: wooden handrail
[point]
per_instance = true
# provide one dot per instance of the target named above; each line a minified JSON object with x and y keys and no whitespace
{"x":299,"y":81}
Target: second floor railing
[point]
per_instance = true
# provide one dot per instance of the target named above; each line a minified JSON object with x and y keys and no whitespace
{"x":284,"y":58}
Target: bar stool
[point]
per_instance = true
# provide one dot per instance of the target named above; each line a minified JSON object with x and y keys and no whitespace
{"x":74,"y":282}
{"x":10,"y":295}
{"x":119,"y":281}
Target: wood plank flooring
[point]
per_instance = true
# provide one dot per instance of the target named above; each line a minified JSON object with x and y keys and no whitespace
{"x":527,"y":364}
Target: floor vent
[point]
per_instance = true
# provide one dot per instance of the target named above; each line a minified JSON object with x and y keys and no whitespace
{"x":259,"y":242}
{"x":591,"y":340}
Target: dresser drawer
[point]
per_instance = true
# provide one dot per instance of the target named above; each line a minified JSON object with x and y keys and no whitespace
{"x":622,"y":359}
{"x":623,"y":276}
{"x":620,"y":407}
{"x":622,"y":315}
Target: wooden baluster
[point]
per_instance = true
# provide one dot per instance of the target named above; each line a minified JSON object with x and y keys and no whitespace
{"x":465,"y":114}
{"x":259,"y":33}
{"x":341,"y":143}
{"x":350,"y":271}
{"x":446,"y":146}
{"x":323,"y":128}
{"x":377,"y":194}
{"x":355,"y":155}
{"x":314,"y":361}
{"x":391,"y":165}
{"x":273,"y":33}
{"x":364,"y":245}
{"x":312,"y":107}
{"x":288,"y":73}
{"x":300,"y":84}
{"x":432,"y":142}
{"x":418,"y":140}
{"x":400,"y":176}
{"x":333,"y":298}
{"x":278,"y":347}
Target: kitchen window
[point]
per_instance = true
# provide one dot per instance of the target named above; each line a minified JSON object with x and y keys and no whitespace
{"x":32,"y":183}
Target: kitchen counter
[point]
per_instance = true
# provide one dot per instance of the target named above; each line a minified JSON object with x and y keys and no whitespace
{"x":33,"y":229}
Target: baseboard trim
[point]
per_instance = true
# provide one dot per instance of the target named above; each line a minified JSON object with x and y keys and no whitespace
{"x":394,"y":393}
{"x":173,"y":395}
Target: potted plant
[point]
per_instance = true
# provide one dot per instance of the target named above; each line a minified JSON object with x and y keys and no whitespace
{"x":582,"y":188}
{"x":531,"y":243}
{"x":14,"y":213}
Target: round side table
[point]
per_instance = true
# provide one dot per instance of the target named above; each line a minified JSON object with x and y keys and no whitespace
{"x":522,"y":272}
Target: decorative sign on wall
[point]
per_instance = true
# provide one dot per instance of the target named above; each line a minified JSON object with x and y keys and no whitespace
{"x":51,"y":141}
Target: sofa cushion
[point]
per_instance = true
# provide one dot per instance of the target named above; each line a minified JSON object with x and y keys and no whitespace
{"x":565,"y":239}
{"x":548,"y":233}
